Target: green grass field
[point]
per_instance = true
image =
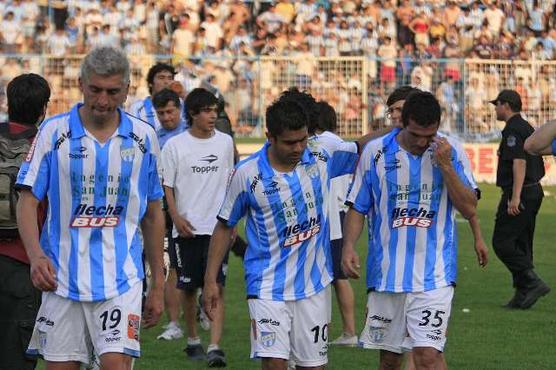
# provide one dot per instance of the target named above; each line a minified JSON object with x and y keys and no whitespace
{"x":486,"y":337}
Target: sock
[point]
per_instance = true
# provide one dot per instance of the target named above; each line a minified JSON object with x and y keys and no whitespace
{"x":193,"y":341}
{"x":212,"y":347}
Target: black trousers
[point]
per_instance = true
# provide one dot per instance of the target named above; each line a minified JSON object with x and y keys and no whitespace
{"x":19,"y":304}
{"x":512,"y":238}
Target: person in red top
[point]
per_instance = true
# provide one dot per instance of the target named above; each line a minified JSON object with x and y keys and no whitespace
{"x":27,"y":96}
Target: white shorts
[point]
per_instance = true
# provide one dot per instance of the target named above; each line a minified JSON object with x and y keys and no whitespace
{"x":67,"y":330}
{"x":299,"y":328}
{"x":397,"y":322}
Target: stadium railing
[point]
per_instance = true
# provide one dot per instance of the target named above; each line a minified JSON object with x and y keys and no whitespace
{"x":356,"y":86}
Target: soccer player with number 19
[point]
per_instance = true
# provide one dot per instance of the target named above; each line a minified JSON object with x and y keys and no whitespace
{"x":409,"y":184}
{"x":97,"y":166}
{"x":283,"y":189}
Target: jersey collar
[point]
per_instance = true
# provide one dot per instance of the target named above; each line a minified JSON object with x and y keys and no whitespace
{"x":125,"y":126}
{"x":264,"y":163}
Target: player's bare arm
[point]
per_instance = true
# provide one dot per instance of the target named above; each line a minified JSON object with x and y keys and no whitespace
{"x":153,"y":227}
{"x":353,"y":225}
{"x":183,"y":226}
{"x":463,"y":198}
{"x":43,"y":274}
{"x":219,"y":244}
{"x":479,"y":244}
{"x":540,"y":142}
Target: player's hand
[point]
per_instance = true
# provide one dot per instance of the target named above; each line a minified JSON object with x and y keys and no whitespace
{"x":482,"y":252}
{"x":513,"y":207}
{"x":350,"y":263}
{"x":43,"y":274}
{"x":154,"y":306}
{"x":211,"y":292}
{"x":184,"y":227}
{"x":442,"y":152}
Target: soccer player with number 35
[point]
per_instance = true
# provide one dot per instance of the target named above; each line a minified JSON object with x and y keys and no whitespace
{"x":409,"y":184}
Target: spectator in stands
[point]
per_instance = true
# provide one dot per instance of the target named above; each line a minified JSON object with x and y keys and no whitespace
{"x":495,"y":18}
{"x":483,"y":49}
{"x":214,"y":32}
{"x":10,"y":34}
{"x":270,"y":20}
{"x":183,"y":39}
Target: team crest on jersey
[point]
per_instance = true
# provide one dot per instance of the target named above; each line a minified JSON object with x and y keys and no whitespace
{"x":312,"y":171}
{"x":127,"y":154}
{"x":268,"y":338}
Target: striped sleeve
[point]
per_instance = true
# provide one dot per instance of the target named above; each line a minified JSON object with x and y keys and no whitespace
{"x":34,"y":173}
{"x":236,"y":200}
{"x":155,"y":171}
{"x":360,"y":194}
{"x":344,"y":159}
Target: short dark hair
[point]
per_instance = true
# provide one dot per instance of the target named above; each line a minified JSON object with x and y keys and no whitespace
{"x":400,"y":93}
{"x":285,"y":115}
{"x":307,"y":102}
{"x":198,"y":99}
{"x":421,"y":107}
{"x":164,"y":96}
{"x":27,"y":95}
{"x":328,"y":121}
{"x":157,"y":68}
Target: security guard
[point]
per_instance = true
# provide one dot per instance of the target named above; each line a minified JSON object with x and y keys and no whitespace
{"x":518,"y":175}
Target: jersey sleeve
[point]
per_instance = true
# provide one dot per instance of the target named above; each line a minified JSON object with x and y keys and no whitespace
{"x":236,"y":200}
{"x":360,"y":196}
{"x":344,"y":159}
{"x":168,"y":165}
{"x":461,"y":155}
{"x":512,"y":145}
{"x":34,"y":173}
{"x":463,"y":170}
{"x":154,"y":171}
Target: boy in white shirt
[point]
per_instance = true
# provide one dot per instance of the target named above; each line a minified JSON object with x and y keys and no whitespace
{"x":196,"y":166}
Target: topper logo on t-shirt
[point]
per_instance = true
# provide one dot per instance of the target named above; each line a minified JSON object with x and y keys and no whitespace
{"x":92,"y":216}
{"x":206,"y":169}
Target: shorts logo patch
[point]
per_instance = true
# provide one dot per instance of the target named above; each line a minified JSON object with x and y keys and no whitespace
{"x":377,"y":328}
{"x":268,"y":338}
{"x":133,"y":322}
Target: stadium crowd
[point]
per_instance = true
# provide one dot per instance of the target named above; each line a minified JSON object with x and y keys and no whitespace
{"x":484,"y":29}
{"x":220,"y":42}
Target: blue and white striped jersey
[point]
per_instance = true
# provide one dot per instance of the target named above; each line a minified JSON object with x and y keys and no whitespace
{"x":288,"y":254}
{"x":144,"y":109}
{"x":97,"y":196}
{"x":164,"y":135}
{"x":338,"y":188}
{"x":412,"y":244}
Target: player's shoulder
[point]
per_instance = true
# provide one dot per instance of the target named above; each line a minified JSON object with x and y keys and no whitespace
{"x":55,"y":122}
{"x":453,"y":140}
{"x":177,"y":141}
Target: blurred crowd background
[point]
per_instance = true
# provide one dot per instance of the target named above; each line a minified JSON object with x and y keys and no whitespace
{"x":351,"y":53}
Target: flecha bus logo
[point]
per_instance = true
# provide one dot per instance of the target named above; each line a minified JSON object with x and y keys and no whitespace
{"x":93,"y":216}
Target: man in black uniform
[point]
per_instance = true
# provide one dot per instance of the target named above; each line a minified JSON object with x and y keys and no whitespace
{"x":518,"y":175}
